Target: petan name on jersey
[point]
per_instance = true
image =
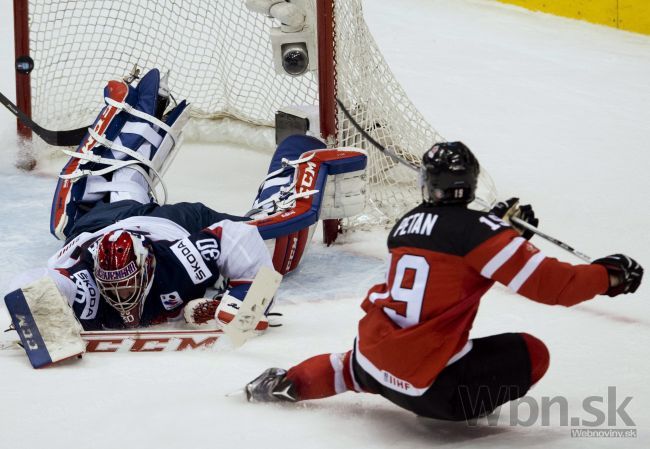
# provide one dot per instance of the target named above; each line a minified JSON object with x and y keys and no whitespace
{"x":421,"y":223}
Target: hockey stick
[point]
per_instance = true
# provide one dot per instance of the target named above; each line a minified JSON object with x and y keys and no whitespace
{"x":400,"y":160}
{"x":561,"y":244}
{"x":142,"y":340}
{"x":377,"y":145}
{"x":68,"y":138}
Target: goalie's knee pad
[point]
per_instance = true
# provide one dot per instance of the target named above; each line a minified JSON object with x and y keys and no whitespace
{"x":304,"y":180}
{"x":124,"y":153}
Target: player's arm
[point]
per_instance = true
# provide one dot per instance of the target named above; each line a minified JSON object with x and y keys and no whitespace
{"x":507,"y":257}
{"x":236,"y":250}
{"x":511,"y":260}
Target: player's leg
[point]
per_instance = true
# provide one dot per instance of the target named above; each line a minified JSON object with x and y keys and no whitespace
{"x":498,"y":369}
{"x":192,"y":216}
{"x":318,"y":377}
{"x":124,"y":154}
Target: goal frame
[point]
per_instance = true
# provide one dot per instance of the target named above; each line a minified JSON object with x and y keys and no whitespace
{"x":348,"y":66}
{"x":326,"y":68}
{"x":23,"y":80}
{"x":326,"y":81}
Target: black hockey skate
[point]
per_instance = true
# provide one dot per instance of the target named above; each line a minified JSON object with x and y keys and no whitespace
{"x":271,"y":386}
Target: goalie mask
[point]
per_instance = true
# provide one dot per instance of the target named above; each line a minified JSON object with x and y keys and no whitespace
{"x":124,"y":272}
{"x":449,"y":174}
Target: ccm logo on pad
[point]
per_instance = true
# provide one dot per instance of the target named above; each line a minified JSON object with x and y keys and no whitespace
{"x":192,"y":261}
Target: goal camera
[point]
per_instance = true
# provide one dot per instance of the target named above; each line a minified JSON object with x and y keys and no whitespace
{"x":294,"y":53}
{"x":295,"y":58}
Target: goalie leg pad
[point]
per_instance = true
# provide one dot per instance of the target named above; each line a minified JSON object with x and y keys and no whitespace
{"x":128,"y":147}
{"x":297,"y":206}
{"x":69,"y":193}
{"x":287,"y":251}
{"x":282,"y":170}
{"x":345,"y":195}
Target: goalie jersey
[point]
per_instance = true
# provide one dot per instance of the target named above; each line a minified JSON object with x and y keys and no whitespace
{"x":442,"y":261}
{"x":186,"y":266}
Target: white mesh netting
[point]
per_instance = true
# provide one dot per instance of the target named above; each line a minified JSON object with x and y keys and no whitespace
{"x":220,"y":59}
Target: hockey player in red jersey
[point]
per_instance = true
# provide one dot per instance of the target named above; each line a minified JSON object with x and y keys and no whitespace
{"x":413,"y":344}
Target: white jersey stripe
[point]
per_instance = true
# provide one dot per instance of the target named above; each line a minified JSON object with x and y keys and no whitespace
{"x":528,"y":269}
{"x":336,"y":360}
{"x":502,"y":257}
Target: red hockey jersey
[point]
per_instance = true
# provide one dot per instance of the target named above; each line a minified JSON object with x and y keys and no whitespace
{"x":442,"y":261}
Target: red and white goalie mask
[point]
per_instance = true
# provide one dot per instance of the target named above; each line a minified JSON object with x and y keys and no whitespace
{"x":124,"y":273}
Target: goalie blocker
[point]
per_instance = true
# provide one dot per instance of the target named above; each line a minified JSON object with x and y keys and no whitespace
{"x":46,"y":325}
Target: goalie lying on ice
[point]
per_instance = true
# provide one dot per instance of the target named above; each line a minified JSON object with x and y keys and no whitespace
{"x":130,"y":261}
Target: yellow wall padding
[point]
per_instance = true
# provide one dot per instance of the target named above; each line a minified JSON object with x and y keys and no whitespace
{"x":634,"y":15}
{"x":631,"y":15}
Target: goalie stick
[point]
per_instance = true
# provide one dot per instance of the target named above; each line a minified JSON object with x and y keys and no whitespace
{"x":49,"y":331}
{"x":67,"y":138}
{"x":142,"y":340}
{"x":410,"y":165}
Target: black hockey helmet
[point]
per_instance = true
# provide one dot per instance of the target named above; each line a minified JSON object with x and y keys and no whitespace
{"x":449,"y":174}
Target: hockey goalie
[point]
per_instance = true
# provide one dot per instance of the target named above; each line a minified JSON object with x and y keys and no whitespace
{"x":129,"y":260}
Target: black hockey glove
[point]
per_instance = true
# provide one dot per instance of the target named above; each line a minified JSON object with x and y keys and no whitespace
{"x":627,"y":272}
{"x":511,"y":208}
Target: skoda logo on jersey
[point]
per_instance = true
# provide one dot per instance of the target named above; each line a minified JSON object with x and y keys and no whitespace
{"x":87,"y":293}
{"x":191,"y":260}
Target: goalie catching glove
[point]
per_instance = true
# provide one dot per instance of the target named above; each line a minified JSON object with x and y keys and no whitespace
{"x":510,"y":208}
{"x":216,"y":312}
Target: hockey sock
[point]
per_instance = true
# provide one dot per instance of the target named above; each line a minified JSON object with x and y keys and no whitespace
{"x":322,"y":376}
{"x":539,"y":357}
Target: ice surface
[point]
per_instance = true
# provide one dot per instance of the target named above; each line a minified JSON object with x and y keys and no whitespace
{"x":557,"y":110}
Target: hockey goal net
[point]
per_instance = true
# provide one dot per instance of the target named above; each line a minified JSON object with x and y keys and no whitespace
{"x":220,"y":58}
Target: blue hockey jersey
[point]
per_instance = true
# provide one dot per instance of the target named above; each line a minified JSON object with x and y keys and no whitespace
{"x":186,"y":266}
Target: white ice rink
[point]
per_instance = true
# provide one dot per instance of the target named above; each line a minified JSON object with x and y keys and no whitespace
{"x":559,"y":113}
